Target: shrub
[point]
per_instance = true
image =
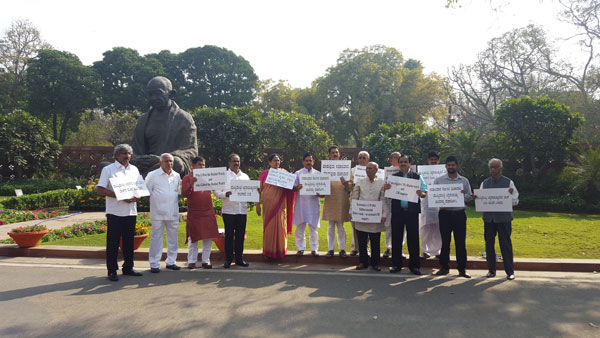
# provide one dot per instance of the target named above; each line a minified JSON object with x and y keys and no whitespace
{"x":50,"y":199}
{"x":37,"y":185}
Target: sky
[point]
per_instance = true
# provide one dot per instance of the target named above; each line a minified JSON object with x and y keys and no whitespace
{"x":288,"y":40}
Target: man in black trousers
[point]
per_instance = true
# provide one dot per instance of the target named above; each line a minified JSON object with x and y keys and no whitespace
{"x":406,"y":215}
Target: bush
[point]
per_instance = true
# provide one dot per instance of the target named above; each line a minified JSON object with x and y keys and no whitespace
{"x":50,"y":199}
{"x":563,"y":203}
{"x":37,"y":185}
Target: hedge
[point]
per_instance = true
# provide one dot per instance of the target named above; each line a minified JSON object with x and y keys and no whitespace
{"x":37,"y":185}
{"x":563,"y":203}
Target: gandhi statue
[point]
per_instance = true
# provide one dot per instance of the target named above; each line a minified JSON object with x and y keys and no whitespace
{"x":165,"y":128}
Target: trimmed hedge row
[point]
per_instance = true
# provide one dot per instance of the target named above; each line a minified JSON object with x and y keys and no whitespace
{"x":556,"y":203}
{"x":50,"y":199}
{"x":37,"y":185}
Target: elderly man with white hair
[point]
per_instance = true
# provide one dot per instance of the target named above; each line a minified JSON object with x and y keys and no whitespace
{"x":163,"y":185}
{"x":363,"y":160}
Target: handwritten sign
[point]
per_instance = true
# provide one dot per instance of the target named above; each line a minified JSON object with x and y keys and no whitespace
{"x":336,"y":169}
{"x":281,"y":178}
{"x":367,"y":211}
{"x":315,"y":184}
{"x":126,"y":189}
{"x":361,"y":172}
{"x":445,"y":195}
{"x":431,"y":172}
{"x":389,"y":171}
{"x":403,"y":189}
{"x":244,"y":191}
{"x":497,"y":199}
{"x":211,"y":179}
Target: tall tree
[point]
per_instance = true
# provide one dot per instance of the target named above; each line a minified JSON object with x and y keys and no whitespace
{"x":276,"y":96}
{"x":124,"y":74}
{"x":20,"y":43}
{"x":61,"y":88}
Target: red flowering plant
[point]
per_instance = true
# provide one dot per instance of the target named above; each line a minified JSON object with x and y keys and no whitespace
{"x":30,"y":228}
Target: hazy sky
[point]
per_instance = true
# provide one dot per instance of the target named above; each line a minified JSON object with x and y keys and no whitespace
{"x":285,"y":39}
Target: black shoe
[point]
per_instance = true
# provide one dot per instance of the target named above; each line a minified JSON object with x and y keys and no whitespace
{"x":395,"y":269}
{"x":464,"y":274}
{"x":491,"y":274}
{"x":173,"y":267}
{"x":424,"y":256}
{"x":242,"y":263}
{"x":442,"y":272}
{"x":300,"y":253}
{"x":329,"y":253}
{"x":154,"y":270}
{"x":206,"y":266}
{"x":416,"y":271}
{"x":343,"y":253}
{"x":353,"y":253}
{"x":112,"y":276}
{"x":386,"y":253}
{"x":132,"y":273}
{"x":227,"y":264}
{"x":314,"y":253}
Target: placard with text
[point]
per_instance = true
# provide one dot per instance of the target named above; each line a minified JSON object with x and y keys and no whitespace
{"x":244,"y":191}
{"x":431,"y":172}
{"x":367,"y":211}
{"x":211,"y":179}
{"x":336,"y":169}
{"x":281,"y":178}
{"x":495,"y":199}
{"x":403,"y":189}
{"x":445,"y":195}
{"x":126,"y":188}
{"x":361,"y":172}
{"x":313,"y":184}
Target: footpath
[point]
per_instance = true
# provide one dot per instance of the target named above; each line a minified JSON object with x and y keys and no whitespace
{"x":57,"y":251}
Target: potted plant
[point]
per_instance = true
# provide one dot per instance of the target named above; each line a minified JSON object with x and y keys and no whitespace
{"x":28,"y":236}
{"x":141,"y":233}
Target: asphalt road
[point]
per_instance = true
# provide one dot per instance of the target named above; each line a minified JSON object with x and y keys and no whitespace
{"x":72,"y":298}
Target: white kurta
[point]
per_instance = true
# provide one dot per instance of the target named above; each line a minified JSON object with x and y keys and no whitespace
{"x":429,"y":229}
{"x":365,"y":190}
{"x":307,"y":208}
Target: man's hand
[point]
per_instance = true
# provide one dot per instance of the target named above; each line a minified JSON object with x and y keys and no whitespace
{"x":387,"y":186}
{"x":258,"y":211}
{"x":132,"y":200}
{"x":382,"y":219}
{"x":350,"y":216}
{"x":227,"y":194}
{"x":511,"y":190}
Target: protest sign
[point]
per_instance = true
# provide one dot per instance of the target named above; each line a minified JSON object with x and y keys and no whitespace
{"x":336,"y":169}
{"x":244,"y":191}
{"x":445,"y":195}
{"x":389,"y":171}
{"x":361,"y":171}
{"x":431,"y":172}
{"x":126,"y":189}
{"x":211,"y":179}
{"x":366,"y":211}
{"x":313,"y":184}
{"x":497,"y":199}
{"x":281,"y":178}
{"x":18,"y":192}
{"x":403,"y":189}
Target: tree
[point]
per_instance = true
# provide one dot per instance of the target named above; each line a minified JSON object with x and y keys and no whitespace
{"x":370,"y":86}
{"x":61,"y":88}
{"x":472,"y":149}
{"x":20,"y":43}
{"x":215,"y":77}
{"x":536,"y":133}
{"x":275,"y":97}
{"x":124,"y":74}
{"x":406,"y":138}
{"x":26,"y":145}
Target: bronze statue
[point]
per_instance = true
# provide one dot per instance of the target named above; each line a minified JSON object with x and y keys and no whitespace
{"x":165,"y":128}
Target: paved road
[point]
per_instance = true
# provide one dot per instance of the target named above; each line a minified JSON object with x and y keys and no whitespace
{"x":73,"y":298}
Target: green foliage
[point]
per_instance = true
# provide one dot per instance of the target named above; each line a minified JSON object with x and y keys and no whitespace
{"x":25,"y":144}
{"x":472,"y":150}
{"x":276,"y":97}
{"x":584,"y":174}
{"x":8,"y":216}
{"x":536,"y":132}
{"x":557,"y":203}
{"x":37,"y":185}
{"x":76,"y":230}
{"x":224,"y":131}
{"x":60,"y":88}
{"x":406,"y":138}
{"x":49,"y":199}
{"x":29,"y":228}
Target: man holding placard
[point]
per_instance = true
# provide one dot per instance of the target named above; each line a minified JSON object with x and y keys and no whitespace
{"x":163,"y":185}
{"x":388,"y":218}
{"x":454,"y":219}
{"x":367,"y":210}
{"x":405,"y":215}
{"x":307,"y":210}
{"x":234,"y":216}
{"x":363,"y":160}
{"x":429,"y":223}
{"x":120,"y":214}
{"x":336,"y":207}
{"x":498,"y":222}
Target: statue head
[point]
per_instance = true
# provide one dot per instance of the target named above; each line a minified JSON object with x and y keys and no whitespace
{"x":159,"y":90}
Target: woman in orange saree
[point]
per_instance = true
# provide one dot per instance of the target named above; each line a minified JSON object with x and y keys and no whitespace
{"x":277,"y":213}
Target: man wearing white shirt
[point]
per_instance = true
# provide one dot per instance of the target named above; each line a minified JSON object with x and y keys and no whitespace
{"x":120,"y":215}
{"x":307,"y":210}
{"x":163,"y":185}
{"x":363,"y":160}
{"x":429,"y":222}
{"x":234,"y":216}
{"x":499,"y":222}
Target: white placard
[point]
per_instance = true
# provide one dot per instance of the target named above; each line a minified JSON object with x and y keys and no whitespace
{"x":78,"y":187}
{"x":403,"y":189}
{"x":495,"y":199}
{"x":389,"y":171}
{"x":361,"y":172}
{"x":19,"y":192}
{"x":366,"y":211}
{"x":336,"y":169}
{"x":313,"y":184}
{"x":431,"y":172}
{"x":445,"y":195}
{"x":244,"y":191}
{"x":281,"y":178}
{"x":125,"y":189}
{"x":211,"y":179}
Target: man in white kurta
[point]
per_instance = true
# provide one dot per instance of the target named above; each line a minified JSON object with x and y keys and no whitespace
{"x":429,"y":222}
{"x":307,"y":210}
{"x":363,"y":160}
{"x":163,"y":185}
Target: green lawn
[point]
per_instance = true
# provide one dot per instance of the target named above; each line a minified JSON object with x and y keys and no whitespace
{"x":535,"y":234}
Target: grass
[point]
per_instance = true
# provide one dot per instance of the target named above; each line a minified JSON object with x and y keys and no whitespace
{"x":535,"y":234}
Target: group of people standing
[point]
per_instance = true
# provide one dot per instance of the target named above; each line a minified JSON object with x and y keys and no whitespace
{"x":281,"y":209}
